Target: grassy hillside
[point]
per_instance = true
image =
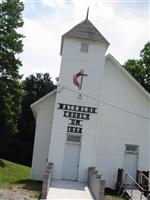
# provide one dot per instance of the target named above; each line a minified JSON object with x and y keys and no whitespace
{"x":18,"y":177}
{"x":11,"y":172}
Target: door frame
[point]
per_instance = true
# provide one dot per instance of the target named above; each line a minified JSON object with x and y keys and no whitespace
{"x":131,"y":152}
{"x":74,"y":143}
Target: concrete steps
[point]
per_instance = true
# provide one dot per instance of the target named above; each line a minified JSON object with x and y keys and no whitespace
{"x":61,"y":189}
{"x":136,"y":194}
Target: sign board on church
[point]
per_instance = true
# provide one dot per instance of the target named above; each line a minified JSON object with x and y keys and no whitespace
{"x":76,"y":114}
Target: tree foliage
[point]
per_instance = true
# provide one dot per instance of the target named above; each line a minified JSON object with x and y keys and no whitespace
{"x":10,"y":46}
{"x":11,"y":91}
{"x":17,"y":124}
{"x":36,"y":86}
{"x":140,"y":68}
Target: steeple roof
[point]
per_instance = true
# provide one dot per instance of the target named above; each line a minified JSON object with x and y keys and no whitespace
{"x":85,"y":30}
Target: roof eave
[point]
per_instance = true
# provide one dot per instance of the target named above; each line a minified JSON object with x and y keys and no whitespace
{"x":128,"y":74}
{"x":65,"y":37}
{"x":33,"y":105}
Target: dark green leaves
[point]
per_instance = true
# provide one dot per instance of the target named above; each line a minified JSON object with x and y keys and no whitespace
{"x":11,"y":90}
{"x":140,"y":69}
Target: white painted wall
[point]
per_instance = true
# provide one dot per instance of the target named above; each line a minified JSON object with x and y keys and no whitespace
{"x":73,"y":60}
{"x":117,"y":128}
{"x":106,"y":133}
{"x":42,"y":136}
{"x":93,"y":64}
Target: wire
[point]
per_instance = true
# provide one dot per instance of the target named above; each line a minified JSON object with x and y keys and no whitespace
{"x":108,"y":104}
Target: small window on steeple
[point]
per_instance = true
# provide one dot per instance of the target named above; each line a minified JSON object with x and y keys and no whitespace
{"x":84,"y":47}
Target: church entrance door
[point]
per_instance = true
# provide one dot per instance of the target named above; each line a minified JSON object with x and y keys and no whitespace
{"x":71,"y":161}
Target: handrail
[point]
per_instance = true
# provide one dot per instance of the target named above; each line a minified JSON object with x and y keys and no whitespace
{"x":134,"y":181}
{"x":147,"y":178}
{"x":141,"y":189}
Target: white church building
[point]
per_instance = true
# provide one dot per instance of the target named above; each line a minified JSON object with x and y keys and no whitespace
{"x":99,"y":115}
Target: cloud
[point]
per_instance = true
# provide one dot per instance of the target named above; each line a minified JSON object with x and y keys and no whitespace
{"x":125,"y":29}
{"x":54,"y":3}
{"x":42,"y":44}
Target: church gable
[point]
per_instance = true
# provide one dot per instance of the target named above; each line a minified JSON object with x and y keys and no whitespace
{"x":37,"y":104}
{"x":84,"y":31}
{"x":127,"y":74}
{"x":122,"y":90}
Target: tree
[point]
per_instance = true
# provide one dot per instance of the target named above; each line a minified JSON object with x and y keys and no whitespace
{"x":140,"y":68}
{"x":11,"y":91}
{"x":10,"y":46}
{"x":36,"y":86}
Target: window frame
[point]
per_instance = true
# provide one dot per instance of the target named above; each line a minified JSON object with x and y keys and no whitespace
{"x":73,"y":142}
{"x":136,"y":151}
{"x":84,"y":47}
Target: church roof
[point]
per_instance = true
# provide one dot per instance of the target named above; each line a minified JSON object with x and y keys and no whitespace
{"x":84,"y":30}
{"x":34,"y":105}
{"x":120,"y":67}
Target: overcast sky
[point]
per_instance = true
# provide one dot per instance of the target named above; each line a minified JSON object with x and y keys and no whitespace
{"x":125,"y":24}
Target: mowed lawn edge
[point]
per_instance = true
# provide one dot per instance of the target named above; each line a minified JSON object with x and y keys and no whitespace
{"x":16,"y":176}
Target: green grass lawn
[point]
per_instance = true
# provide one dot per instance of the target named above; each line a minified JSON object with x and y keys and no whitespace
{"x":15,"y":176}
{"x":11,"y":172}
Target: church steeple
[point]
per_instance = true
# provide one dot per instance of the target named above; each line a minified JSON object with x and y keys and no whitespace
{"x":83,"y":55}
{"x":87,"y":15}
{"x":84,"y":30}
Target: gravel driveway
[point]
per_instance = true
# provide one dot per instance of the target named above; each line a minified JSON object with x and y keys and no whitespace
{"x":6,"y":194}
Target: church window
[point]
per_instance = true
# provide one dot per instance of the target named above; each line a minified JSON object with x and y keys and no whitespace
{"x":131,"y":148}
{"x":84,"y":47}
{"x":73,"y":138}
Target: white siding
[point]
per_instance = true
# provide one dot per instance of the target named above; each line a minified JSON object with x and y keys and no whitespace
{"x":117,"y":128}
{"x":106,"y":133}
{"x":42,"y":136}
{"x":73,"y":60}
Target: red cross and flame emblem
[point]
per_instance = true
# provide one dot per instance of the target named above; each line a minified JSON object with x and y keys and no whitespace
{"x":78,"y":79}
